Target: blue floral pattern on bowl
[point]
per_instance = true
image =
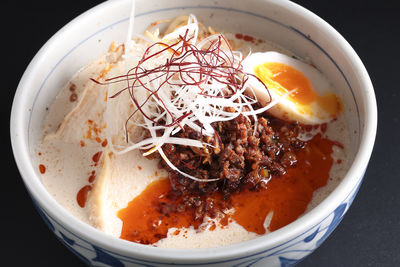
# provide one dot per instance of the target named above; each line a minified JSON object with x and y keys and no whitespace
{"x":284,"y":255}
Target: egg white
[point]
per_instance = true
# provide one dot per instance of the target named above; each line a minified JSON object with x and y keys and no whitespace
{"x":286,"y":109}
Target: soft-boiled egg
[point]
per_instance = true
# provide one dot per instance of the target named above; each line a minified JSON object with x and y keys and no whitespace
{"x":311,"y":100}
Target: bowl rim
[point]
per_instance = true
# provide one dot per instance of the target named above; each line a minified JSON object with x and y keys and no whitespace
{"x":246,"y":248}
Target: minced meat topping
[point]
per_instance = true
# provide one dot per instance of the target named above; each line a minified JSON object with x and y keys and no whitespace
{"x":240,"y":155}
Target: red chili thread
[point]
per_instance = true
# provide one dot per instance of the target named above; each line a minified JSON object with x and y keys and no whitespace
{"x":212,"y":62}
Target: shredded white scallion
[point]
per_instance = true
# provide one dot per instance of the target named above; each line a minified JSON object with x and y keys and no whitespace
{"x":181,"y":82}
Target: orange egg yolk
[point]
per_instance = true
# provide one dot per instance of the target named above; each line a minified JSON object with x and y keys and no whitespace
{"x":282,"y":78}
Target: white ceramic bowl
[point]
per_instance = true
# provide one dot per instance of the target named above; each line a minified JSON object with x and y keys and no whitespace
{"x":282,"y":22}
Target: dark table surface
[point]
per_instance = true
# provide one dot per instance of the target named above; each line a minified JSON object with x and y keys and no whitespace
{"x":369,"y":234}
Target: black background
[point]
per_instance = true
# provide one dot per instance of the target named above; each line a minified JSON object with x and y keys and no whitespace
{"x":369,"y":234}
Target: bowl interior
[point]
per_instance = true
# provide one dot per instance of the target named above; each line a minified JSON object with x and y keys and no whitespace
{"x":90,"y":35}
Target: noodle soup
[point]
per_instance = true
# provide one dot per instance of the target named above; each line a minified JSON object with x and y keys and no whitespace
{"x":238,"y":163}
